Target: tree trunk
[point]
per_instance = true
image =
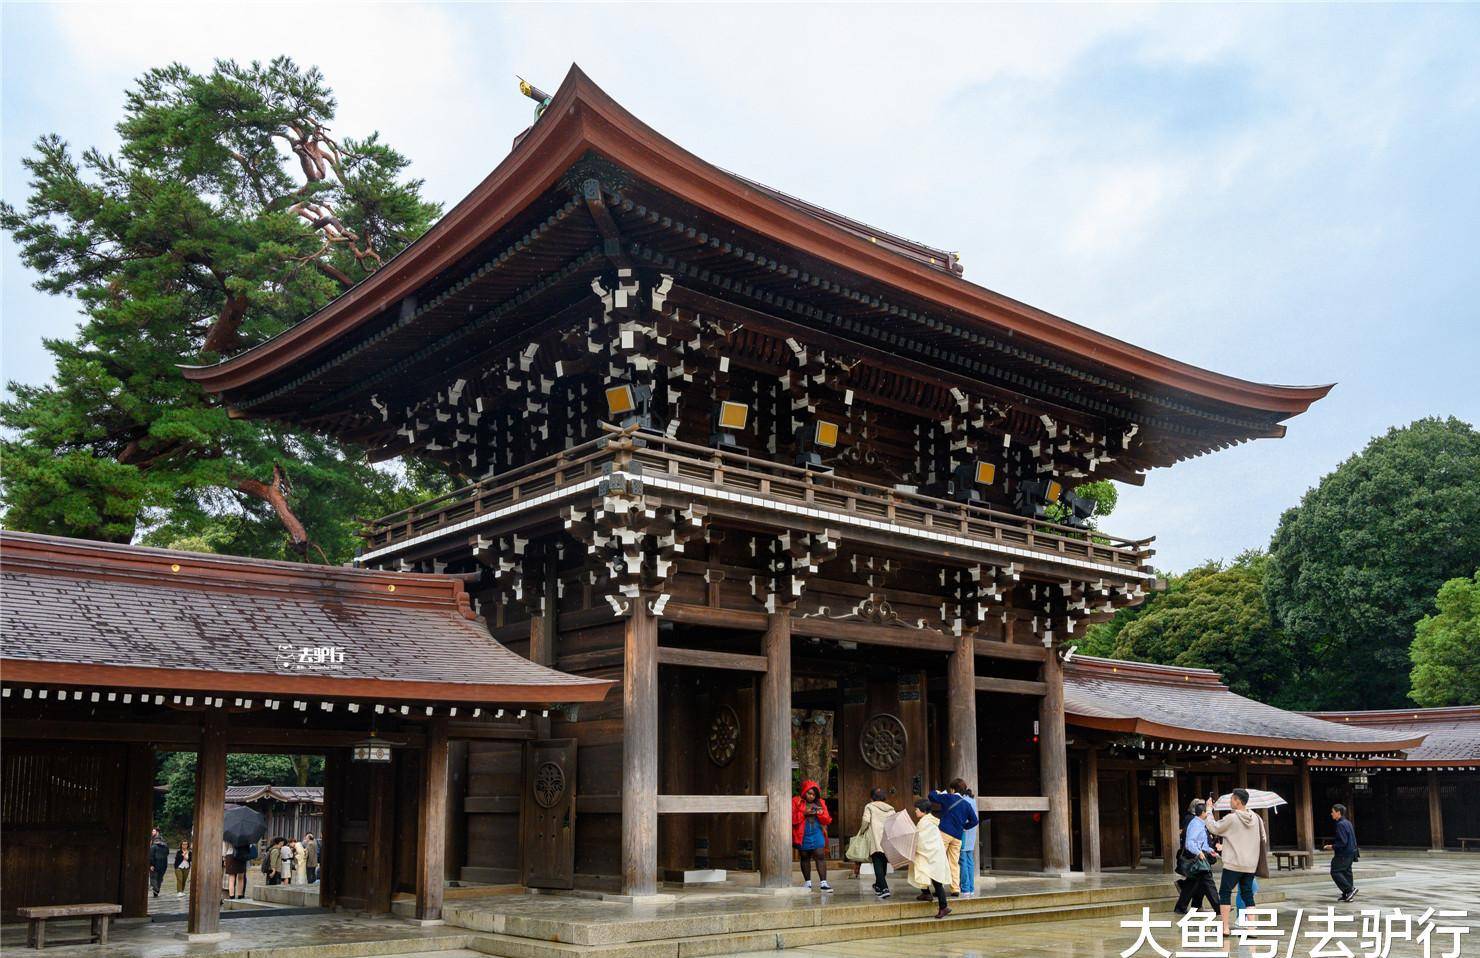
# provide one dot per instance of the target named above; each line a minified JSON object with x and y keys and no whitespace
{"x":223,"y":336}
{"x":275,"y":495}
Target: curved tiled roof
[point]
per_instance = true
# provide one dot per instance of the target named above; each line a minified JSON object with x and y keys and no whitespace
{"x":582,"y":119}
{"x":245,"y":794}
{"x":1451,"y":735}
{"x":1190,"y":705}
{"x":74,"y":612}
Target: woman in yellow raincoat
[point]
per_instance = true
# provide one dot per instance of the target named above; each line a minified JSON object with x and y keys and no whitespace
{"x":930,"y":871}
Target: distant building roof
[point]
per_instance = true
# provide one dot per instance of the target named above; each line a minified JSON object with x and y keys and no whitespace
{"x":246,"y":794}
{"x":1451,"y":735}
{"x":74,"y":612}
{"x":1190,"y":705}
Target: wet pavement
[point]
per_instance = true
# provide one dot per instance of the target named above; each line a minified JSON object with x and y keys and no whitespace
{"x":1449,"y":881}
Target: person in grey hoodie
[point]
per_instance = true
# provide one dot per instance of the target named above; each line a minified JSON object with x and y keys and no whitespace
{"x":1243,"y":836}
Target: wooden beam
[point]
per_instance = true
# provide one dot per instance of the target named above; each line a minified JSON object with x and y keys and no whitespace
{"x":775,"y":748}
{"x":598,"y":804}
{"x":1053,"y":764}
{"x":640,"y":752}
{"x":703,"y":804}
{"x":431,"y":825}
{"x":210,"y":808}
{"x":994,"y":649}
{"x":1012,"y":803}
{"x":863,"y":633}
{"x":988,"y":683}
{"x":749,"y":620}
{"x":1089,"y":811}
{"x":705,"y":659}
{"x":66,"y":731}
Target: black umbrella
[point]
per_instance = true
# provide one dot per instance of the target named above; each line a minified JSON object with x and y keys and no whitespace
{"x":243,"y":826}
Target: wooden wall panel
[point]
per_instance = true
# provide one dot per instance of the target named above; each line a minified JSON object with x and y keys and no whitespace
{"x":62,"y":807}
{"x":491,"y":806}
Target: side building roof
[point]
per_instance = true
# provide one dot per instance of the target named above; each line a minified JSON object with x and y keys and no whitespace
{"x":74,"y":612}
{"x":1451,"y":735}
{"x":1192,"y":706}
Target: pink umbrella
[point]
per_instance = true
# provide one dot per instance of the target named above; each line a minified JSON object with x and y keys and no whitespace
{"x":899,"y":839}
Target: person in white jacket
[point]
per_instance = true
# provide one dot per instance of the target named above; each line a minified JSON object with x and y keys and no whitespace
{"x":930,"y":870}
{"x":875,"y":814}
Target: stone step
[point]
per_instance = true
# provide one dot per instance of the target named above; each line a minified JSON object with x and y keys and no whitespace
{"x":920,"y":922}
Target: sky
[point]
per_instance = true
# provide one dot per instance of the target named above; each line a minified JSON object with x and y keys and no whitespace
{"x":1289,"y":194}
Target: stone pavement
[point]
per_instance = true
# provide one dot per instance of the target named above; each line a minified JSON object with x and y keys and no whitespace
{"x":1448,"y":881}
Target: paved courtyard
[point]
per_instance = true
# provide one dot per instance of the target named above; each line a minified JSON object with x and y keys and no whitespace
{"x":1443,"y":882}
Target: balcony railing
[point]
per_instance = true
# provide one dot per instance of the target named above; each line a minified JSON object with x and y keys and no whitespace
{"x":780,"y":483}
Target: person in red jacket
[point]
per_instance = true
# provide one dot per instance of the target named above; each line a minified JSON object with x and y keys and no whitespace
{"x":809,"y":821}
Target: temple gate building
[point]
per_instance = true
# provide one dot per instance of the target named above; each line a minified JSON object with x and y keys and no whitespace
{"x":757,"y":463}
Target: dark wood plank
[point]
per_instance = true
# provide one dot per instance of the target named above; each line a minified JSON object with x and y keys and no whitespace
{"x":432,"y":823}
{"x":705,"y":659}
{"x":988,"y":683}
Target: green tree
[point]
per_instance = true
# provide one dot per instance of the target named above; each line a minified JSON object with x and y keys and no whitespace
{"x":1357,"y":564}
{"x":1446,"y":647}
{"x":228,"y":214}
{"x":1213,"y":616}
{"x":176,"y":772}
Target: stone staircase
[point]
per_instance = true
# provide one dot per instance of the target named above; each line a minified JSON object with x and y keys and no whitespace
{"x":734,"y":925}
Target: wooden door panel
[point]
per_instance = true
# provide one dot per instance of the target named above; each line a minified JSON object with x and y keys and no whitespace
{"x":550,"y":814}
{"x":491,"y":807}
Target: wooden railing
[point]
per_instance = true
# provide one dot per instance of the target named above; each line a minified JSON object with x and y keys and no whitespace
{"x":735,"y":472}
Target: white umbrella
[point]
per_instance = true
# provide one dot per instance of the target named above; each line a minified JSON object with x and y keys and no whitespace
{"x":1258,"y":798}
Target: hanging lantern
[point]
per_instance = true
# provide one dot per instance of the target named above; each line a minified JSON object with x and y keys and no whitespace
{"x":374,"y":750}
{"x":1357,"y":779}
{"x":1164,"y":771}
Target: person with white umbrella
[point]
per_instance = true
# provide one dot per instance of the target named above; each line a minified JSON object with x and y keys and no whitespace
{"x":1243,"y":838}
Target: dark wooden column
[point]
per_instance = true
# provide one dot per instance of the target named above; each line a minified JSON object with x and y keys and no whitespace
{"x":1305,"y":828}
{"x":1089,"y":810}
{"x":1054,"y":767}
{"x":330,"y":851}
{"x":210,"y":808}
{"x":1133,"y":805}
{"x":380,"y":853}
{"x":1241,"y":772}
{"x":1263,"y":813}
{"x":1436,"y":813}
{"x":640,"y":752}
{"x":1166,"y":793}
{"x":431,"y":825}
{"x":775,"y":747}
{"x":961,"y":728}
{"x":138,"y":821}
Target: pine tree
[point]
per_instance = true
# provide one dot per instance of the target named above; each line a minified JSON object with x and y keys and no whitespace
{"x":229,"y":213}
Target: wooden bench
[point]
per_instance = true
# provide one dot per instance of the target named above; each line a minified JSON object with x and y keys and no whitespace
{"x":1465,"y":843}
{"x":37,"y":916}
{"x":1291,"y":860}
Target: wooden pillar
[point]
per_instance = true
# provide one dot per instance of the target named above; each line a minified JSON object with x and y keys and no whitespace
{"x":1089,"y":810}
{"x":380,"y":853}
{"x":1263,"y":781}
{"x":775,"y":746}
{"x":961,"y":728}
{"x":1241,"y":772}
{"x":1133,"y":804}
{"x":640,"y":752}
{"x":210,"y":809}
{"x":330,"y":852}
{"x":1166,"y":793}
{"x":1305,"y":829}
{"x":1436,"y":813}
{"x":138,"y":778}
{"x":1053,"y":766}
{"x":431,"y":824}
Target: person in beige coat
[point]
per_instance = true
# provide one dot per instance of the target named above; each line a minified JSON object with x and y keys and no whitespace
{"x":930,"y":870}
{"x":875,"y":814}
{"x":1243,"y":837}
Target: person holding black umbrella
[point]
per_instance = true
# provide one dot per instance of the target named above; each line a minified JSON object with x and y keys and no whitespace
{"x":159,"y":860}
